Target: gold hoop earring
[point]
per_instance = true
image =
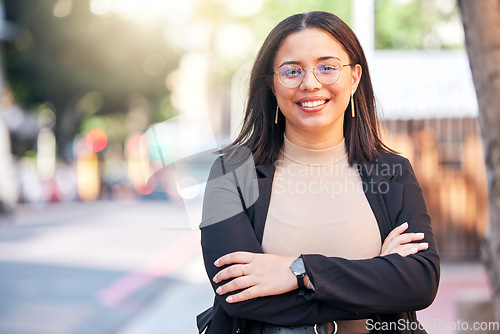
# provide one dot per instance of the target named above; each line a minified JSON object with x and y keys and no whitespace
{"x":277,"y":112}
{"x":352,"y":104}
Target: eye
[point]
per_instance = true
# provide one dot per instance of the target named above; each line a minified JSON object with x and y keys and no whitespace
{"x":327,"y":68}
{"x":291,"y":71}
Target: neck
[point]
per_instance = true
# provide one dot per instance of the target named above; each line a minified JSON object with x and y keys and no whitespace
{"x":314,"y":140}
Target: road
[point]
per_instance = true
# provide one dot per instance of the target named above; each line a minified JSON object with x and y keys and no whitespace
{"x":101,"y":268}
{"x":133,"y":268}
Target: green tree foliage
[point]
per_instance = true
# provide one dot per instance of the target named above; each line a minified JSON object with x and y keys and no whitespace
{"x":416,"y":24}
{"x":279,"y":9}
{"x":90,"y":69}
{"x":81,"y":64}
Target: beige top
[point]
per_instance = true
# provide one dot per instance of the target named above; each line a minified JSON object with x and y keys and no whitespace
{"x":318,"y":206}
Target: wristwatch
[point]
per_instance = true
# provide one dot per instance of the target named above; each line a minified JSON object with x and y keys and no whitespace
{"x":299,"y":270}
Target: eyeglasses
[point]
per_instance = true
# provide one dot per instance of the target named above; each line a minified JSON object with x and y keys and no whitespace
{"x":326,"y":72}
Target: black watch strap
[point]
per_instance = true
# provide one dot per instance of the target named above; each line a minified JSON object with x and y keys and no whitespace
{"x":299,"y":271}
{"x":300,"y":281}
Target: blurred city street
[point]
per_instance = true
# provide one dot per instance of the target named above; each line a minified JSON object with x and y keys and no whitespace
{"x":110,"y":111}
{"x":103,"y":267}
{"x":131,"y":268}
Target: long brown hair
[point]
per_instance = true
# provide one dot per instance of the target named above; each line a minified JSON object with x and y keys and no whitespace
{"x":265,"y":138}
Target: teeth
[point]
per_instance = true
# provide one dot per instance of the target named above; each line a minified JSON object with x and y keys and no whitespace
{"x":312,"y":104}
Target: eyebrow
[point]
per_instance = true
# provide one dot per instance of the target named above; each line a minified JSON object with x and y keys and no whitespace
{"x":294,"y":62}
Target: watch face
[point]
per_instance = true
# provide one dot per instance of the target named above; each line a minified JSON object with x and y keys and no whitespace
{"x":298,"y":267}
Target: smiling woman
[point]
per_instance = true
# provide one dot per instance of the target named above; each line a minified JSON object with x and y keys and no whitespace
{"x":331,"y":244}
{"x":314,"y":102}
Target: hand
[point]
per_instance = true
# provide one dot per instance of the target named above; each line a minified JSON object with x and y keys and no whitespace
{"x":402,"y":243}
{"x":256,"y":274}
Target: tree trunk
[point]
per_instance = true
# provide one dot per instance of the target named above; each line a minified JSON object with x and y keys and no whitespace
{"x":481,"y":20}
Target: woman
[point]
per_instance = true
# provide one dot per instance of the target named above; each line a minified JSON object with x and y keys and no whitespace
{"x":333,"y":235}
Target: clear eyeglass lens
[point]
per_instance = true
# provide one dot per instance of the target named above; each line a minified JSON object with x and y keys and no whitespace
{"x":326,"y":72}
{"x":290,"y":75}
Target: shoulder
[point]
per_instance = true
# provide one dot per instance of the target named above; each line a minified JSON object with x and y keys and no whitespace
{"x":387,"y":166}
{"x":388,"y":157}
{"x":394,"y":162}
{"x":398,"y":166}
{"x":388,"y":160}
{"x":231,"y":159}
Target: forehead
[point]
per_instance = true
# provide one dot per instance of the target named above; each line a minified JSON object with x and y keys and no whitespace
{"x":308,"y":45}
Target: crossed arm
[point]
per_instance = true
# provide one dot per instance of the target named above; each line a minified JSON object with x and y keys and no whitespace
{"x":287,"y":309}
{"x":257,"y":286}
{"x":271,"y":295}
{"x":259,"y":275}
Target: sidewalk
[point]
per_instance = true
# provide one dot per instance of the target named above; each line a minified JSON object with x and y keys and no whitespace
{"x":187,"y":294}
{"x":456,"y":279}
{"x":118,"y":268}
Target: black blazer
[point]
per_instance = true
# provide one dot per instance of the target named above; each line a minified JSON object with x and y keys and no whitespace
{"x":388,"y":289}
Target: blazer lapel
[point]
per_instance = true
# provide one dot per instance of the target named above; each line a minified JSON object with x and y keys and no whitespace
{"x":374,"y":184}
{"x":265,"y":174}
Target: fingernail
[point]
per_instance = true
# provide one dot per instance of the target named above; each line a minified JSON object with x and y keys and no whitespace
{"x":219,"y":289}
{"x":229,"y":299}
{"x":404,"y":224}
{"x":215,"y":279}
{"x":425,"y":244}
{"x":216,"y":263}
{"x":420,"y":235}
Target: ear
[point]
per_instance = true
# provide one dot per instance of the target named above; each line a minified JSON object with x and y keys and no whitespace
{"x":356,"y":72}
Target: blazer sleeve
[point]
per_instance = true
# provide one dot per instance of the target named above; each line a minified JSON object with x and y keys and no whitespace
{"x":383,"y":284}
{"x":226,"y":228}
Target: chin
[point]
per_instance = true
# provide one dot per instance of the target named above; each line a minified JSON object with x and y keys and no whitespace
{"x":317,"y":124}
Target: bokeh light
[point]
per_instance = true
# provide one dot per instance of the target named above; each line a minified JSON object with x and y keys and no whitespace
{"x":137,"y":145}
{"x":63,"y":8}
{"x":96,"y":140}
{"x":101,"y":7}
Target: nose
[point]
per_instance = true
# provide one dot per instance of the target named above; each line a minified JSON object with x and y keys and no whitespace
{"x":309,"y":81}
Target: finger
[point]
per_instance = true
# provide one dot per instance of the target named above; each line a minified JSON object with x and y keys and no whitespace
{"x":396,"y":242}
{"x":399,"y":229}
{"x":236,"y":270}
{"x":408,"y":249}
{"x":239,"y":283}
{"x":389,"y":242}
{"x":252,"y":292}
{"x":423,"y":246}
{"x":406,"y":238}
{"x":235,"y":257}
{"x":396,"y":231}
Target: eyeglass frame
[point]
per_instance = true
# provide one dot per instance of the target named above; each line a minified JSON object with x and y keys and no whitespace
{"x":314,"y":73}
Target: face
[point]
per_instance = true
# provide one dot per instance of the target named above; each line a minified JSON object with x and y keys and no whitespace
{"x":313,"y":109}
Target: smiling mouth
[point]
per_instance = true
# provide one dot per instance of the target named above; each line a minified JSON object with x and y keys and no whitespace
{"x":312,"y":104}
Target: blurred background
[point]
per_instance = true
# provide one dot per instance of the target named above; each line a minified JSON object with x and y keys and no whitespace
{"x":87,"y":245}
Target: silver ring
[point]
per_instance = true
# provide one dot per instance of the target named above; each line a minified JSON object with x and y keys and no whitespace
{"x":333,"y":322}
